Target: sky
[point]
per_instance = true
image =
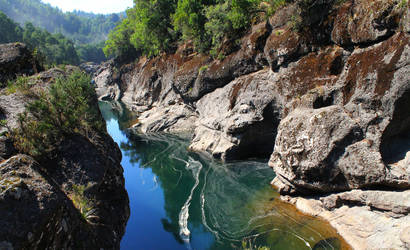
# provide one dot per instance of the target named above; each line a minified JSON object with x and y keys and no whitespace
{"x":95,"y":6}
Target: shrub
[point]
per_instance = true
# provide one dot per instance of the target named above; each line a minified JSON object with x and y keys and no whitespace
{"x":66,"y":108}
{"x":274,"y":5}
{"x":84,"y":205}
{"x":3,"y":123}
{"x":203,"y":68}
{"x":21,"y":83}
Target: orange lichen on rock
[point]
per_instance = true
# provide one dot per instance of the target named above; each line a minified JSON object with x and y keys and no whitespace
{"x":379,"y":62}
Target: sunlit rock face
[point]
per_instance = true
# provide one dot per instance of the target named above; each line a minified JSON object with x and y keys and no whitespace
{"x":358,"y":135}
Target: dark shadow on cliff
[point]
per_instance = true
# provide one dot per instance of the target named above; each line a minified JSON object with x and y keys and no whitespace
{"x":395,"y":141}
{"x":258,"y":140}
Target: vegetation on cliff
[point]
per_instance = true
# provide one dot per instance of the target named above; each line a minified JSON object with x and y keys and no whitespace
{"x":155,"y":26}
{"x":65,"y":108}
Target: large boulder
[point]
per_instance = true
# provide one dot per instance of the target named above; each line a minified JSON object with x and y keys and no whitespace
{"x":239,"y":120}
{"x":308,"y":146}
{"x":16,"y":59}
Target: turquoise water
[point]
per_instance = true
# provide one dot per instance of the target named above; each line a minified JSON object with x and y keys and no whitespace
{"x":182,"y":200}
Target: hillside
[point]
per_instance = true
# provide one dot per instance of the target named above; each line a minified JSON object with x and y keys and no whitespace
{"x":80,"y":27}
{"x":49,"y":49}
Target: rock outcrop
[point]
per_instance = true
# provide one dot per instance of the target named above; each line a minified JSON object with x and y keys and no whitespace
{"x":72,"y":199}
{"x":323,"y":90}
{"x":366,"y":219}
{"x":16,"y":59}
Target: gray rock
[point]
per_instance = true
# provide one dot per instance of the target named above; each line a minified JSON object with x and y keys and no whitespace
{"x":106,"y":86}
{"x":391,"y":201}
{"x":41,"y":199}
{"x":405,"y":237}
{"x":309,"y":144}
{"x":178,"y":118}
{"x":16,"y":59}
{"x":239,"y":120}
{"x":89,"y":67}
{"x":365,"y":219}
{"x":365,"y":139}
{"x":359,"y":22}
{"x":11,"y":106}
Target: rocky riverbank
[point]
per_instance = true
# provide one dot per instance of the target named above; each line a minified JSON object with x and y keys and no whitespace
{"x":73,"y":197}
{"x":327,"y":102}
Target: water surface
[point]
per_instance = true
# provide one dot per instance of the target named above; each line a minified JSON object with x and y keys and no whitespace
{"x":182,"y":200}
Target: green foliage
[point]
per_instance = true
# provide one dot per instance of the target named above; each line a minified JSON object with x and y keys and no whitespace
{"x":203,"y":68}
{"x":86,"y":31}
{"x":403,"y":4}
{"x":155,"y":26}
{"x":151,"y":21}
{"x":217,"y":24}
{"x":9,"y":30}
{"x":3,"y":123}
{"x":67,"y":108}
{"x":118,"y":42}
{"x":47,"y":48}
{"x":79,"y":26}
{"x":189,"y":20}
{"x":84,"y":205}
{"x":21,"y":84}
{"x":54,"y":48}
{"x":91,"y":52}
{"x":274,"y":5}
{"x":147,"y":28}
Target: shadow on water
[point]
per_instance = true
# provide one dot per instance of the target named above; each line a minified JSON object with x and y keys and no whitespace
{"x":183,"y":200}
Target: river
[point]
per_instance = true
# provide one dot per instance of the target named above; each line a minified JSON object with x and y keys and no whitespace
{"x":184,"y":200}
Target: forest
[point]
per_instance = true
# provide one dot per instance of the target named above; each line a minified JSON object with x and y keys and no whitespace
{"x":49,"y":49}
{"x":155,"y":26}
{"x":87,"y":31}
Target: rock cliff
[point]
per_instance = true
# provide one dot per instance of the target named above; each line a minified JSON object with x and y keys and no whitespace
{"x":72,"y":199}
{"x":324,"y":91}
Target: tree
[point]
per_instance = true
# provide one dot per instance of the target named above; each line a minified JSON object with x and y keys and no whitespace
{"x":9,"y":30}
{"x":189,"y":19}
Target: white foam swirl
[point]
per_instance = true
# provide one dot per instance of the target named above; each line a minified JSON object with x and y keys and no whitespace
{"x":195,"y":167}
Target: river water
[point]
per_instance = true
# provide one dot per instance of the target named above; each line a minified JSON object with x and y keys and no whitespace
{"x":182,"y":200}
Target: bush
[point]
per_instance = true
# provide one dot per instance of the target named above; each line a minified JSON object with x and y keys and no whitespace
{"x":83,"y":204}
{"x":66,"y":108}
{"x":21,"y":83}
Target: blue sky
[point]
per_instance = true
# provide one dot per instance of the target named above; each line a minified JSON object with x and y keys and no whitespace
{"x":95,"y":6}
